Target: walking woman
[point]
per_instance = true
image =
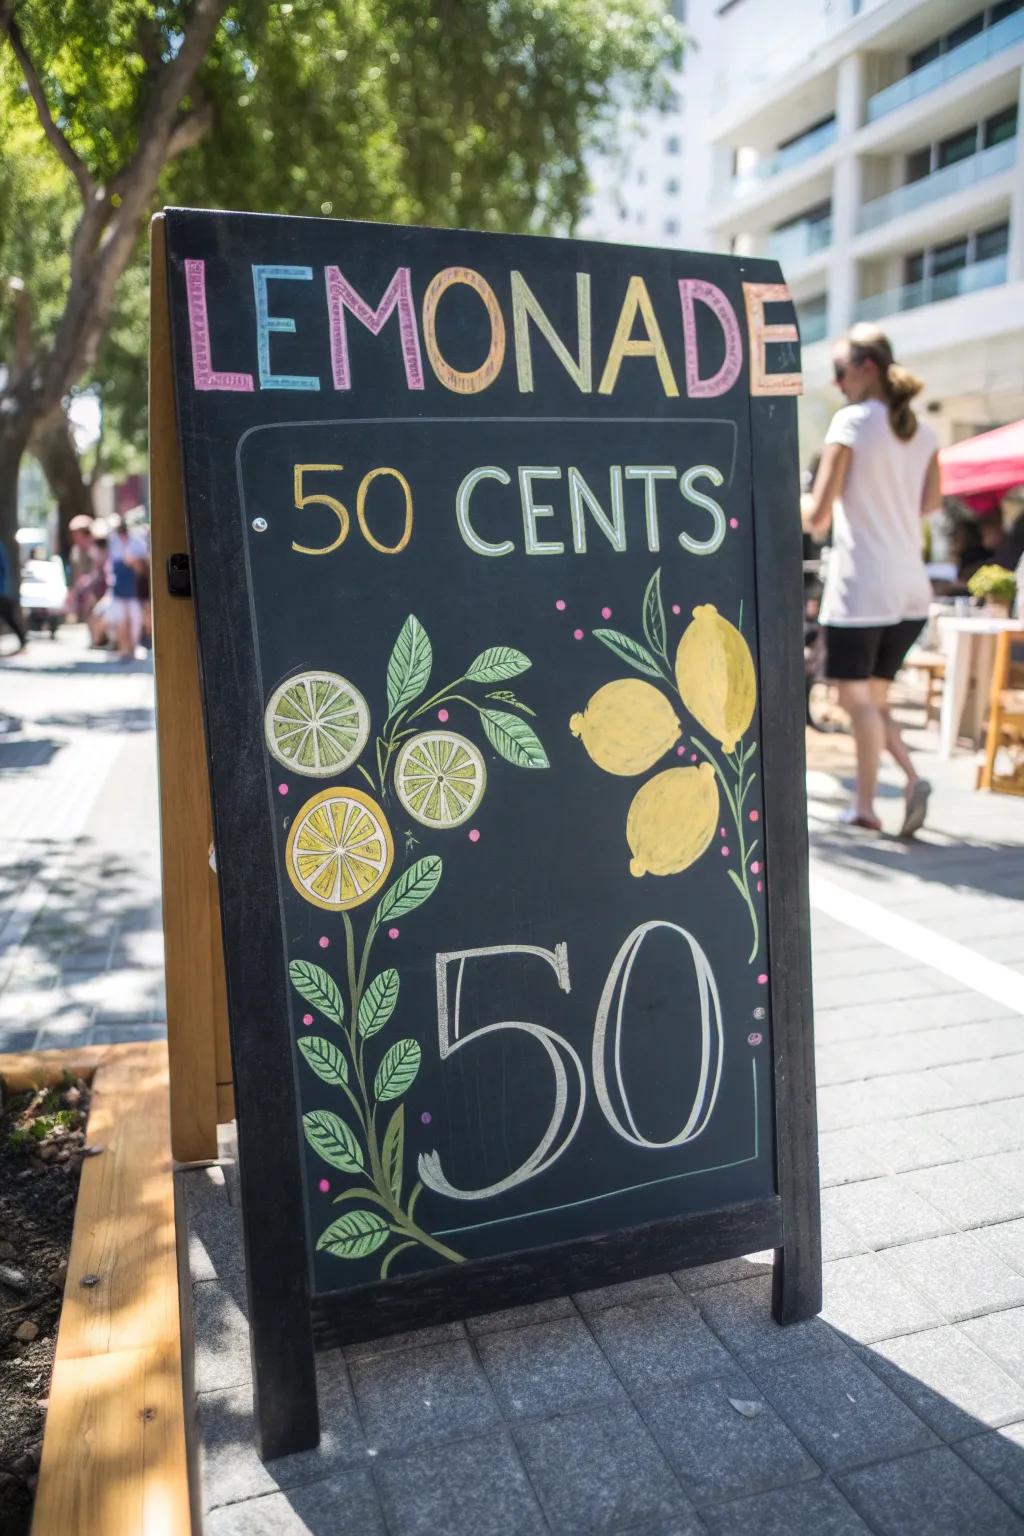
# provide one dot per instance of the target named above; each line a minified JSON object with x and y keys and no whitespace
{"x":878,"y":476}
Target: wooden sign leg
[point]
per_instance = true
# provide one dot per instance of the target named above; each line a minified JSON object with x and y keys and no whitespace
{"x":796,"y":1282}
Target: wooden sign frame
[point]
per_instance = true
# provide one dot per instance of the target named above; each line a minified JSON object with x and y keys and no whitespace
{"x":286,"y":1323}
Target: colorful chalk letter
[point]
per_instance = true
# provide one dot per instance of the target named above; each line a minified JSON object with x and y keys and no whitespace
{"x":691,"y":289}
{"x":398,"y":295}
{"x":266,"y":324}
{"x":525,"y":308}
{"x":204,"y":374}
{"x":760,"y":334}
{"x":480,"y":378}
{"x":637,"y":299}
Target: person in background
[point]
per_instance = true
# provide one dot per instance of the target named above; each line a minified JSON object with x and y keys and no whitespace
{"x":98,"y":617}
{"x":127,"y":553}
{"x":83,"y":561}
{"x":10,"y":609}
{"x":879,"y":474}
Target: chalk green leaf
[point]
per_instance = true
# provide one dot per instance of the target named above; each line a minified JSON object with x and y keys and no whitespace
{"x":497,"y":664}
{"x":325,"y":1059}
{"x":628,"y":650}
{"x":393,"y":1151}
{"x":397,"y":1071}
{"x":378,"y":1003}
{"x":354,"y":1235}
{"x":313,"y":984}
{"x":410,"y":891}
{"x":409,"y":666}
{"x":654,"y":614}
{"x":328,"y":1135}
{"x":517,"y":741}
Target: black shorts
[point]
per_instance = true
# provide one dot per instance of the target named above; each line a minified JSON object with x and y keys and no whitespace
{"x":855,"y":652}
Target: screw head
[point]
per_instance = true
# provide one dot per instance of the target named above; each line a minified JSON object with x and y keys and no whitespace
{"x":260,"y":524}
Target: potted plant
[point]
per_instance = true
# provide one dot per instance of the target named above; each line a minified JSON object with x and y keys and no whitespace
{"x":995,"y":585}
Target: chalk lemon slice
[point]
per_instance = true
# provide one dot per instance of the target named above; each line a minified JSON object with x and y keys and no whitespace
{"x":440,"y":778}
{"x":339,"y":849}
{"x":316,"y":723}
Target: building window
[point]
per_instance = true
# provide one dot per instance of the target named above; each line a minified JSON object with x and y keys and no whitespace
{"x":919,"y":164}
{"x":913,"y":268}
{"x":949,"y":257}
{"x":994,"y":241}
{"x":996,"y":129}
{"x":671,"y":226}
{"x":955,"y":38}
{"x":1000,"y":127}
{"x":959,"y":146}
{"x":672,"y":185}
{"x":672,"y":145}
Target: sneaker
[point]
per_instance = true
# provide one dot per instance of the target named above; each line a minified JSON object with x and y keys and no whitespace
{"x":917,"y":808}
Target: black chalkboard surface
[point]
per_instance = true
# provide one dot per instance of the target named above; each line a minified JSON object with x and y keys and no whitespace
{"x":494,"y":552}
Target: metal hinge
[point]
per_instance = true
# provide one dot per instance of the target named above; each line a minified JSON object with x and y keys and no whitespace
{"x":179,"y":576}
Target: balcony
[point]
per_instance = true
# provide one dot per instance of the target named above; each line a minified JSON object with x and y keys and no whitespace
{"x":804,"y":148}
{"x":796,"y":242}
{"x":930,"y":76}
{"x":932,"y":290}
{"x":952,"y":178}
{"x":813,"y":325}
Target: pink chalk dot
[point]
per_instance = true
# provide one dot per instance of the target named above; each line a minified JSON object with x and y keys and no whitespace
{"x":425,"y":1118}
{"x":755,"y":868}
{"x":442,"y":715}
{"x":680,"y":751}
{"x":560,"y":605}
{"x":754,"y":816}
{"x":725,"y":852}
{"x":734,"y":522}
{"x":392,"y":933}
{"x":676,"y":608}
{"x":762,"y":979}
{"x":721,"y":831}
{"x":474,"y":835}
{"x":282,"y":789}
{"x":323,"y":942}
{"x":577,"y":634}
{"x":754,"y":1038}
{"x":760,"y":886}
{"x":307,"y":1019}
{"x":325,"y":1185}
{"x":606,"y":613}
{"x":693,"y":757}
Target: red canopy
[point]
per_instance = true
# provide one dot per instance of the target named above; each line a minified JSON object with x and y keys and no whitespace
{"x":984,"y":466}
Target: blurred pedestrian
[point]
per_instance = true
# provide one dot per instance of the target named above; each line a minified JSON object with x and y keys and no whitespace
{"x":10,"y":608}
{"x":878,"y":476}
{"x":84,"y":561}
{"x":127,"y":554}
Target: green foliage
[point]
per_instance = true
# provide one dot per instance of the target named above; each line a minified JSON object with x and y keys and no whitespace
{"x":993,"y":581}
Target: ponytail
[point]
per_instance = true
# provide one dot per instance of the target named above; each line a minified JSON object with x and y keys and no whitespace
{"x":899,"y":385}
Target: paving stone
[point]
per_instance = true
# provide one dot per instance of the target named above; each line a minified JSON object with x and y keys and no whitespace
{"x":213,"y":1222}
{"x":970,"y":1194}
{"x":903,"y":1144}
{"x":653,"y":1344}
{"x":948,"y":1381}
{"x":63,"y":1036}
{"x":598,"y":1470}
{"x":1007,"y":1166}
{"x":958,"y":1274}
{"x":838,"y":1240}
{"x":1006,"y":1238}
{"x":416,"y":1338}
{"x":809,"y":1509}
{"x":221,"y":1334}
{"x":717,"y":1452}
{"x":114,"y":1034}
{"x":984,"y":1082}
{"x":522,"y":1317}
{"x":860,"y":1021}
{"x":865,"y":1300}
{"x":912,"y":1093}
{"x":740,"y":1314}
{"x":998,"y":1457}
{"x":703,"y":1277}
{"x":882,"y":1212}
{"x":12,"y":1040}
{"x":345,"y":1505}
{"x":549,"y":1368}
{"x":415,"y":1395}
{"x":841,"y":1411}
{"x":832,"y":990}
{"x":473,"y":1488}
{"x":626,"y":1291}
{"x":977,"y":1129}
{"x":1001,"y":1335}
{"x":931,"y":1494}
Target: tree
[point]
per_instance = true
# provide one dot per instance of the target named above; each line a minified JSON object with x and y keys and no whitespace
{"x":477,"y":112}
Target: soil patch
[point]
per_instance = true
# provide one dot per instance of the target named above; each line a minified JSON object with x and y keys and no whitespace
{"x":42,"y":1137}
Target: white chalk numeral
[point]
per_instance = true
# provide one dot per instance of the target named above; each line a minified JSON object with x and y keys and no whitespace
{"x":557,"y":1137}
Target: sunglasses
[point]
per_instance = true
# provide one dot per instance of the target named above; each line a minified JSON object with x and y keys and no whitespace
{"x":839,"y":372}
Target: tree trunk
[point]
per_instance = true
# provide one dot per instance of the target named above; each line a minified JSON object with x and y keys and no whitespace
{"x":53,"y":444}
{"x":13,"y":440}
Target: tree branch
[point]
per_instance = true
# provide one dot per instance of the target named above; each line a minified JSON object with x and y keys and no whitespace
{"x":71,"y":160}
{"x":189,"y":130}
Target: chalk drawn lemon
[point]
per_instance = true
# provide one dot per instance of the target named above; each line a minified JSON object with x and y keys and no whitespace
{"x":316,"y":723}
{"x":440,"y":778}
{"x":672,"y":820}
{"x":715,"y":675}
{"x":339,"y":849}
{"x":626,"y":726}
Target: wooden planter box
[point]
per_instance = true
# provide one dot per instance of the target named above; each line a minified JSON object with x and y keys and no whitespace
{"x":114,"y":1459}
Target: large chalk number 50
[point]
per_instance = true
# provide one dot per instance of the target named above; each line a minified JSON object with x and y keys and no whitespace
{"x":559,"y":1134}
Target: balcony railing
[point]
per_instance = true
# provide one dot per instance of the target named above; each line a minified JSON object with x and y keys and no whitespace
{"x":952,"y":178}
{"x":798,"y":241}
{"x":932,"y":290}
{"x":804,"y":148}
{"x":812,"y":326}
{"x":984,"y":45}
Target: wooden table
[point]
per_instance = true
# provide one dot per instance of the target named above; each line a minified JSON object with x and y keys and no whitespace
{"x":969,"y":645}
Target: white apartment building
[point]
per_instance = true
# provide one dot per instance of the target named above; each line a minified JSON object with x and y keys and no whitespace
{"x":655,"y":186}
{"x":873,"y":148}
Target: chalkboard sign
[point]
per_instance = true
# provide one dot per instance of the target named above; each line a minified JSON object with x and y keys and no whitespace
{"x":495,"y":559}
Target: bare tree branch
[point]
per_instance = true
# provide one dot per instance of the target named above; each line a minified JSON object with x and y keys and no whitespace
{"x":70,"y":158}
{"x":189,"y":130}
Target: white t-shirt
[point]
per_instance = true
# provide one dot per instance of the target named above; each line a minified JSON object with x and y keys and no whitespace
{"x":876,"y":572}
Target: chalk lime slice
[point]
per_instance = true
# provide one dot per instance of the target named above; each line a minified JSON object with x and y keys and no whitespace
{"x":440,"y":778}
{"x":316,"y":723}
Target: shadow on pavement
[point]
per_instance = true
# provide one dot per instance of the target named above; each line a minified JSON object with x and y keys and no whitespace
{"x":23,"y":756}
{"x":137,"y":718}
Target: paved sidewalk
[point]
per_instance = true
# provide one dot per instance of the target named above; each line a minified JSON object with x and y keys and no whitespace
{"x":674,"y":1406}
{"x":81,"y":947}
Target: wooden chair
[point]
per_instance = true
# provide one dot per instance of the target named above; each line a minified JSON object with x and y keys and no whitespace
{"x":1006,"y":717}
{"x":933,"y":665}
